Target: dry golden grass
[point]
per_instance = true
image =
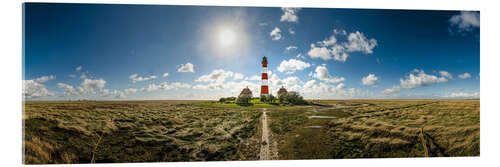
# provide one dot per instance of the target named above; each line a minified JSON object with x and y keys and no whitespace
{"x":37,"y":151}
{"x":159,"y":131}
{"x":386,"y":128}
{"x":149,"y":131}
{"x":451,"y":126}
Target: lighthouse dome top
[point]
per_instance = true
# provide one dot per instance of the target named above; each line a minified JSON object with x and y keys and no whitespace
{"x":264,"y":59}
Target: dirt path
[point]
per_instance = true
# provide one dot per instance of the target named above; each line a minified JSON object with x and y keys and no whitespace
{"x":267,"y":152}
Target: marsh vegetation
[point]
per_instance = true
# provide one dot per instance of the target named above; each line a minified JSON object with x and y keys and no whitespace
{"x":151,"y":131}
{"x":380,"y":128}
{"x":159,"y":131}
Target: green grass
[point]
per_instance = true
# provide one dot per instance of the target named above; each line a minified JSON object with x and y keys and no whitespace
{"x":283,"y":121}
{"x":233,"y":105}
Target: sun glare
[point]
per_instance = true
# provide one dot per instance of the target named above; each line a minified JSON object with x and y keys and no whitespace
{"x":227,"y":37}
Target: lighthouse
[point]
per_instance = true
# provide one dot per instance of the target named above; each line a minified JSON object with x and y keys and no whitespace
{"x":264,"y":88}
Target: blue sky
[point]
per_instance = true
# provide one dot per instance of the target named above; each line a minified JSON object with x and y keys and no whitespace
{"x":136,"y":52}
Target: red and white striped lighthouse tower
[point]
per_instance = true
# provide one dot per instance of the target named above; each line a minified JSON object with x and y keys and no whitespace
{"x":264,"y":88}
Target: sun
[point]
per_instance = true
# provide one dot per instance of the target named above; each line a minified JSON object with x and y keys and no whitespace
{"x":227,"y":37}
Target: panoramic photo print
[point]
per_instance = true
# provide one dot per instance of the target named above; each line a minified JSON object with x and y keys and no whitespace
{"x":117,"y":83}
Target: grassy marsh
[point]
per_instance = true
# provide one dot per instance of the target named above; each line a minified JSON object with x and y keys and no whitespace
{"x":160,"y":131}
{"x":151,"y":131}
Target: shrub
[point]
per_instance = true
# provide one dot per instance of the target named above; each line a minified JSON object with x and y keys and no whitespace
{"x":271,"y":98}
{"x":227,"y":99}
{"x":263,"y":98}
{"x":243,"y":100}
{"x":295,"y":98}
{"x":282,"y":97}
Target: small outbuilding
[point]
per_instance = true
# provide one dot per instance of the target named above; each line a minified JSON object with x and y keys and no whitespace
{"x":282,"y":91}
{"x":246,"y":91}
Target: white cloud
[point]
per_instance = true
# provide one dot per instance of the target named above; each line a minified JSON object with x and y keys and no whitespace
{"x":290,"y":48}
{"x":464,"y":95}
{"x":417,"y":78}
{"x":300,"y":56}
{"x":238,"y":76}
{"x":79,"y":68}
{"x":234,"y":88}
{"x":421,"y":79}
{"x":44,"y":79}
{"x":218,"y":76}
{"x":319,"y":52}
{"x":291,"y":31}
{"x":83,"y":76}
{"x":292,"y":65}
{"x":289,"y":15}
{"x":180,"y":85}
{"x":321,"y":73}
{"x":68,"y":90}
{"x":275,"y":80}
{"x":292,"y":81}
{"x":276,"y":33}
{"x":114,"y":94}
{"x":329,"y":42}
{"x":369,"y":80}
{"x":188,"y":67}
{"x":253,"y":78}
{"x":394,"y":89}
{"x":165,"y":75}
{"x":465,"y":21}
{"x":130,"y":90}
{"x":358,"y":42}
{"x":120,"y":95}
{"x":464,"y":76}
{"x":331,"y":49}
{"x":339,"y":53}
{"x":446,"y":74}
{"x":33,"y":89}
{"x":90,"y":85}
{"x":339,"y":86}
{"x":210,"y":86}
{"x":309,"y":84}
{"x":135,"y":78}
{"x":339,"y":32}
{"x":153,"y":87}
{"x":165,"y":86}
{"x":314,"y":89}
{"x":327,"y":50}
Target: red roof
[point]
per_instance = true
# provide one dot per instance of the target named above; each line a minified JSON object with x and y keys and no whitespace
{"x":282,"y":91}
{"x":246,"y":91}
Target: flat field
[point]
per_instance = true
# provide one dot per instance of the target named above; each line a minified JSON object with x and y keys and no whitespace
{"x":160,"y":131}
{"x":379,"y":128}
{"x":141,"y":131}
